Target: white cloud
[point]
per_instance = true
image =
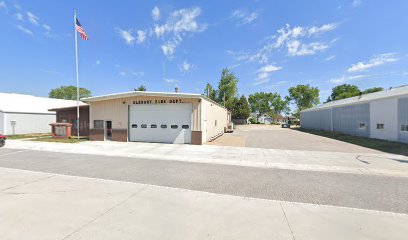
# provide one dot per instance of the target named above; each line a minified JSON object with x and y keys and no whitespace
{"x":141,"y":36}
{"x":356,"y":3}
{"x":24,"y":30}
{"x":244,"y":17}
{"x":185,"y":66}
{"x":127,"y":36}
{"x":98,"y":62}
{"x":172,"y":81}
{"x":32,"y":18}
{"x":329,"y":58}
{"x":122,"y":73}
{"x":264,"y":73}
{"x":3,"y":5}
{"x":19,"y":16}
{"x":376,"y":61}
{"x":346,"y":78}
{"x":46,"y":27}
{"x":156,"y":13}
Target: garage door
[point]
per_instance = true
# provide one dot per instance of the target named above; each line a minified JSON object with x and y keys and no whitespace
{"x":162,"y":123}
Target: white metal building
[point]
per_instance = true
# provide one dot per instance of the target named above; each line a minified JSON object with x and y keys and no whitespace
{"x":382,"y":115}
{"x":23,"y":114}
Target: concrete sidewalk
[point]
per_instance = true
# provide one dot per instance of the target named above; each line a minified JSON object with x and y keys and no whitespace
{"x":364,"y":163}
{"x":49,"y":206}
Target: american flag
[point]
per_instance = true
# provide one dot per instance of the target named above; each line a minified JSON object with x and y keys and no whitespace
{"x":81,"y":31}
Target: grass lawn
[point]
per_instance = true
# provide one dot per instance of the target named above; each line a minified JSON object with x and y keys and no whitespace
{"x":377,"y":144}
{"x":60,"y":140}
{"x":23,"y":136}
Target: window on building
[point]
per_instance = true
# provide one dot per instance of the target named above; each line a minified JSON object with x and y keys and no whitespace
{"x":153,"y":126}
{"x":380,"y":125}
{"x":163,"y":126}
{"x":134,"y":125}
{"x":185,"y":127}
{"x":143,"y":126}
{"x":404,"y":128}
{"x":174,"y":126}
{"x":215,"y":124}
{"x":98,"y":124}
{"x":362,"y":125}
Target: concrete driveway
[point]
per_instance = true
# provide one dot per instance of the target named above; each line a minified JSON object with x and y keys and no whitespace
{"x":275,"y":137}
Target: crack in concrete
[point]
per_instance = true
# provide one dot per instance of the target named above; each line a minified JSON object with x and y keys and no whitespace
{"x":287,"y":221}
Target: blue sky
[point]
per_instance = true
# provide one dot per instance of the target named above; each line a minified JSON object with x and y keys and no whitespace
{"x":269,"y":45}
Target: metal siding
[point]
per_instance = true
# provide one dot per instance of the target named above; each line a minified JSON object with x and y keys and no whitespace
{"x":346,"y":119}
{"x":28,"y":123}
{"x":2,"y":123}
{"x":384,"y":111}
{"x":318,"y":120}
{"x":214,"y":113}
{"x":402,"y":119}
{"x":116,"y":110}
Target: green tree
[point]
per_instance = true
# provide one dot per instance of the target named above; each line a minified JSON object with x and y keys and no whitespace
{"x":303,"y":96}
{"x":140,"y":88}
{"x":270,"y":103}
{"x":372,"y":90}
{"x":210,"y":92}
{"x":241,"y":109}
{"x":227,"y":89}
{"x":69,"y":93}
{"x":344,"y":91}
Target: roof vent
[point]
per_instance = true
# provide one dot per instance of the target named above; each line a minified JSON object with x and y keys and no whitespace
{"x":176,"y":89}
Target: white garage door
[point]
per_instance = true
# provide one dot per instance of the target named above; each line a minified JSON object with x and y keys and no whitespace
{"x":163,"y":123}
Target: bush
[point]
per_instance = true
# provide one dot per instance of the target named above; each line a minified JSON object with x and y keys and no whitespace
{"x":252,"y":120}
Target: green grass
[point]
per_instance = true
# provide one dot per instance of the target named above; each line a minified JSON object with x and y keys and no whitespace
{"x":23,"y":136}
{"x":60,"y":140}
{"x":377,"y":144}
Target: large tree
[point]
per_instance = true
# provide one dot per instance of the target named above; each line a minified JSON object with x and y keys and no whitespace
{"x":372,"y":90}
{"x":241,"y":109}
{"x":69,"y":93}
{"x":270,"y":103}
{"x":303,"y":96}
{"x":227,"y":88}
{"x":344,"y":91}
{"x":141,"y":88}
{"x":210,"y":92}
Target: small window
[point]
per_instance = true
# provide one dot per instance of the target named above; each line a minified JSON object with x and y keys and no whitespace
{"x":143,"y":126}
{"x":185,"y":127}
{"x":98,"y":124}
{"x":163,"y":126}
{"x":362,"y":125}
{"x":174,"y":126}
{"x":134,"y":125}
{"x":215,"y":124}
{"x":380,"y":126}
{"x":153,"y":126}
{"x":404,"y":128}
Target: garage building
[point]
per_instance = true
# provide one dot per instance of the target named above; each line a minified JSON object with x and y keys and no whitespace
{"x":156,"y":117}
{"x":381,"y":115}
{"x":25,"y":114}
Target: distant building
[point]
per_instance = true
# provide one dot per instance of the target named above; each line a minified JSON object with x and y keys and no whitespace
{"x":382,"y":115}
{"x":25,"y":114}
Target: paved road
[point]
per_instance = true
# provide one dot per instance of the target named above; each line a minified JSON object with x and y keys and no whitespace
{"x":275,"y":137}
{"x":349,"y":190}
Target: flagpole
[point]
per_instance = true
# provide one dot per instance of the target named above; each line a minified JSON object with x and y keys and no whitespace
{"x":77,"y":75}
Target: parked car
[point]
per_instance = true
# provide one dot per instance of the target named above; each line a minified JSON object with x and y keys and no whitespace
{"x":2,"y":140}
{"x":285,"y":125}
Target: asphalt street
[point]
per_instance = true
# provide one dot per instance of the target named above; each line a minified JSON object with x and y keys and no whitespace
{"x":372,"y":192}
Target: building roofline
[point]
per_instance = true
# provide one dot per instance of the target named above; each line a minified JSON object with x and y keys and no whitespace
{"x":143,"y":93}
{"x":361,"y":99}
{"x":71,"y":107}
